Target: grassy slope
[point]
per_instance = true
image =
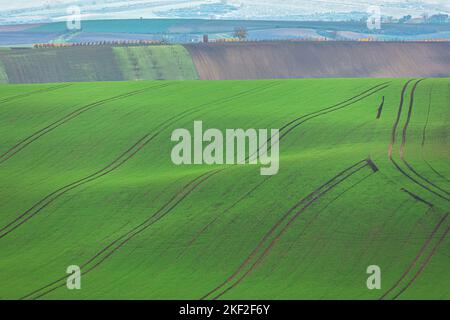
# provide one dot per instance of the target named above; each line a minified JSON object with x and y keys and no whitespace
{"x":81,"y":64}
{"x":3,"y":75}
{"x":190,"y":250}
{"x":155,"y":63}
{"x":61,"y":65}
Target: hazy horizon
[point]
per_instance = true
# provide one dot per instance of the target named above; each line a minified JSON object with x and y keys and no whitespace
{"x":50,"y":11}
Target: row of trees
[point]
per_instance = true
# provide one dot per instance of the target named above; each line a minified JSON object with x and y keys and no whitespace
{"x":98,"y":43}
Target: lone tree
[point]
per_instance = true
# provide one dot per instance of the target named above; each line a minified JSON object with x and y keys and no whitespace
{"x":240,"y":33}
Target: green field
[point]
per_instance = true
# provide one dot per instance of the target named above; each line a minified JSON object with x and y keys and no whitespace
{"x":96,"y":63}
{"x":155,"y":63}
{"x":86,"y":179}
{"x":3,"y":75}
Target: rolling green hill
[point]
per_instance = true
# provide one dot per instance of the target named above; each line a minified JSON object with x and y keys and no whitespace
{"x":86,"y":179}
{"x":96,"y":63}
{"x":226,"y":61}
{"x":155,"y":63}
{"x":3,"y":75}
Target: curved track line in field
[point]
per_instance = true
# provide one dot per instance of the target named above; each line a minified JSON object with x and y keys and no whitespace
{"x":317,"y":113}
{"x":115,"y":245}
{"x":206,"y":227}
{"x":416,"y":197}
{"x":128,"y":154}
{"x":211,"y":172}
{"x":404,"y":135}
{"x":331,"y":109}
{"x":36,"y":135}
{"x":266,"y":244}
{"x":291,"y":125}
{"x":424,"y":134}
{"x":23,"y":95}
{"x":397,"y":120}
{"x":416,"y":258}
{"x":425,"y":263}
{"x":145,"y":224}
{"x":393,"y":140}
{"x":335,"y":105}
{"x":317,"y":214}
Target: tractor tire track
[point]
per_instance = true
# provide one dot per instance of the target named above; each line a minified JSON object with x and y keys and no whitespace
{"x":393,"y":141}
{"x":317,"y":113}
{"x":416,"y":258}
{"x":124,"y":157}
{"x":23,"y":95}
{"x":234,"y":204}
{"x":404,"y":135}
{"x":291,"y":125}
{"x":302,"y":205}
{"x":397,"y":120}
{"x":416,"y":197}
{"x":211,"y":173}
{"x":36,"y":135}
{"x":425,"y":263}
{"x":331,"y":109}
{"x":335,"y":105}
{"x":145,"y":224}
{"x":115,"y":245}
{"x":424,"y":134}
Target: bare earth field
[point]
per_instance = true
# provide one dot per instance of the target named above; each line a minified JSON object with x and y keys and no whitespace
{"x":264,"y":60}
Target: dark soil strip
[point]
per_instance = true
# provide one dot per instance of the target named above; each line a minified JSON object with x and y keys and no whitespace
{"x":425,"y":263}
{"x":115,"y":245}
{"x":416,"y":259}
{"x":403,"y":144}
{"x":380,"y":109}
{"x":287,"y":219}
{"x":36,"y":135}
{"x":417,"y":197}
{"x":23,"y":95}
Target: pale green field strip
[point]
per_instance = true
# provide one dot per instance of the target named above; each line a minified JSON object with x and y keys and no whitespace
{"x":155,"y":63}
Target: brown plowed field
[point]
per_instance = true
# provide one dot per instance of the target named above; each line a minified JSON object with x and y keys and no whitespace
{"x":267,"y":60}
